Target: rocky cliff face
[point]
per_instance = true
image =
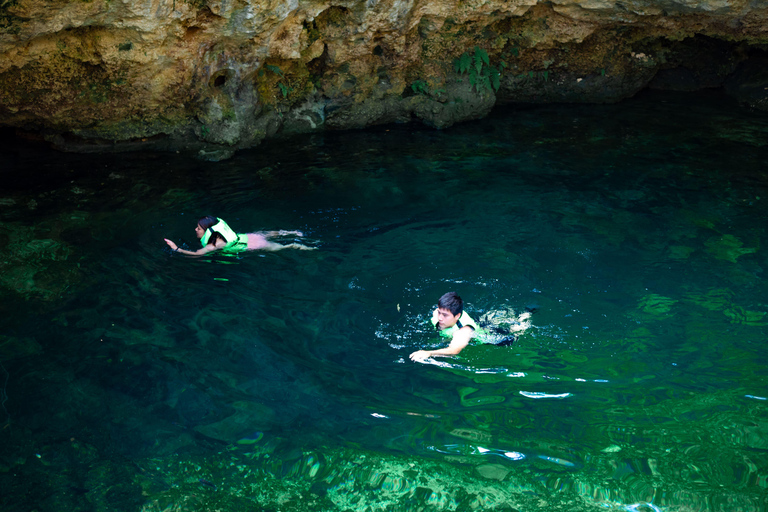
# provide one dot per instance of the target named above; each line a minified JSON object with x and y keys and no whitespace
{"x":213,"y":76}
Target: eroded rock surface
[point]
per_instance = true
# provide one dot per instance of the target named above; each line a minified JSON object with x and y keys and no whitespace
{"x":214,"y":76}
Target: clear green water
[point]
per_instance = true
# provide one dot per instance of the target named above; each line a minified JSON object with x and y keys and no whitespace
{"x":134,"y":380}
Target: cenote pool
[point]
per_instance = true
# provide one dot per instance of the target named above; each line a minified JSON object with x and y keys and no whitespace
{"x":137,"y":380}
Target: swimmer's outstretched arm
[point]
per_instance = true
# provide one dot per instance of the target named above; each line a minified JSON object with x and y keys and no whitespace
{"x":459,"y":341}
{"x":203,"y":250}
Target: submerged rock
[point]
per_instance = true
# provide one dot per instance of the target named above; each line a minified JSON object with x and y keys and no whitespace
{"x":36,"y":263}
{"x":12,"y":347}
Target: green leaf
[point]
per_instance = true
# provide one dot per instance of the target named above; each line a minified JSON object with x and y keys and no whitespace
{"x":466,"y":63}
{"x":463,"y":63}
{"x":480,"y":58}
{"x":482,"y":55}
{"x":420,"y":87}
{"x":485,"y":82}
{"x":276,"y":70}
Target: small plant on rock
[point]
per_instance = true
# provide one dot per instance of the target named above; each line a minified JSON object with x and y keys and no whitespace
{"x":482,"y":76}
{"x":420,"y":87}
{"x":284,"y":89}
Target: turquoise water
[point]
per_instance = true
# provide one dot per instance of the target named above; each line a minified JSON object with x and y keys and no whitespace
{"x":134,"y":379}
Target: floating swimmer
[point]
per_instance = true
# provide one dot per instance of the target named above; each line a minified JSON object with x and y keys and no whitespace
{"x":453,"y":322}
{"x":216,"y":235}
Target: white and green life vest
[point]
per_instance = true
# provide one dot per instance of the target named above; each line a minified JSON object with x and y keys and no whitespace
{"x":463,"y":320}
{"x":235,"y":242}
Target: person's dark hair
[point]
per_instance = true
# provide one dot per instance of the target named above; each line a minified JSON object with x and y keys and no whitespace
{"x":452,"y":302}
{"x":205,"y":223}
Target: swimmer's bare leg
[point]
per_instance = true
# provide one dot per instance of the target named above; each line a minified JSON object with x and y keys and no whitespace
{"x":272,"y":246}
{"x":300,"y":247}
{"x":282,"y":232}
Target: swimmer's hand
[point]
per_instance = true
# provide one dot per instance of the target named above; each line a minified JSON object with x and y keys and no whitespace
{"x":283,"y":232}
{"x":172,"y":245}
{"x":420,"y":355}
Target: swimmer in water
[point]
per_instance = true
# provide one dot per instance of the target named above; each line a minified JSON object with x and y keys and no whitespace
{"x":453,"y":322}
{"x":216,"y":235}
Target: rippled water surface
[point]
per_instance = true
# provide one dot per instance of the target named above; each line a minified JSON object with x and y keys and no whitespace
{"x":133,"y":379}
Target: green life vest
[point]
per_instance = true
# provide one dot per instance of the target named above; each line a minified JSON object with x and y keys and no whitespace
{"x":463,"y":320}
{"x":235,"y":242}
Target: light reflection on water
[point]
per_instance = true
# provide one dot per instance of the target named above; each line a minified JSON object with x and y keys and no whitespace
{"x":637,"y":386}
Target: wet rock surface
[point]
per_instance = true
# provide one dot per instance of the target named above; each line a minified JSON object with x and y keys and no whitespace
{"x":210,"y":77}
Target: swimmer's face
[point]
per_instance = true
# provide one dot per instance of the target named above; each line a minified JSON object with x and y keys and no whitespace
{"x":446,"y":319}
{"x":199,"y":231}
